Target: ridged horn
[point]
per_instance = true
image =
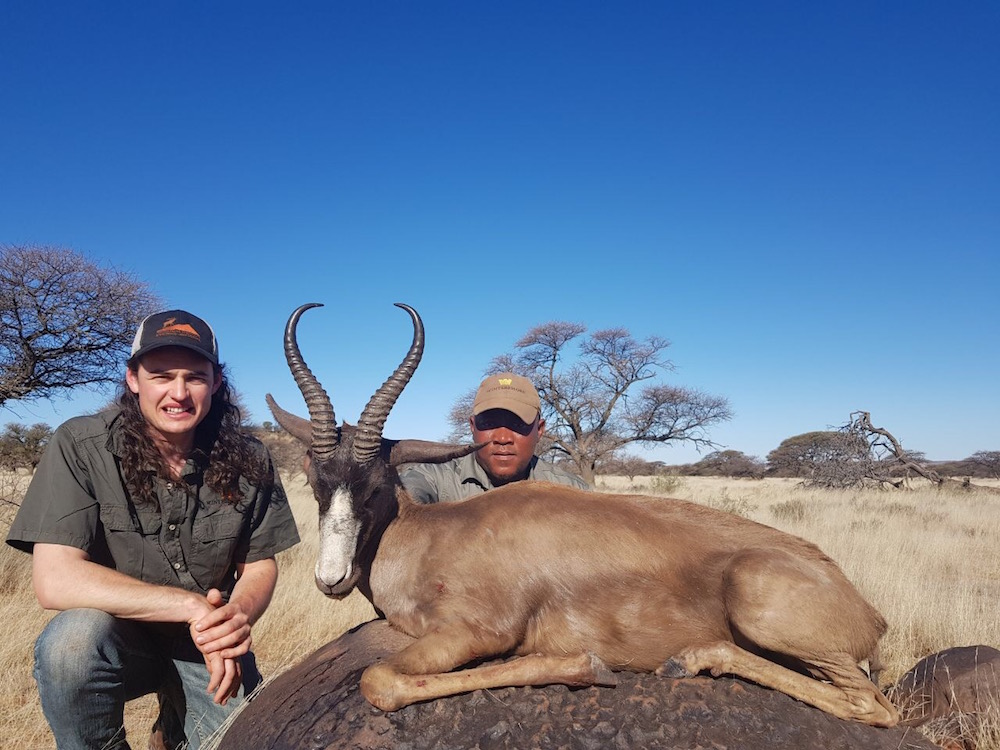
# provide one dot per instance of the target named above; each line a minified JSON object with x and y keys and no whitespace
{"x":368,"y":437}
{"x":325,"y":437}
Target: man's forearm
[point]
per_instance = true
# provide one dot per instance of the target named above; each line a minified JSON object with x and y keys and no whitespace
{"x":255,"y":584}
{"x":64,"y":578}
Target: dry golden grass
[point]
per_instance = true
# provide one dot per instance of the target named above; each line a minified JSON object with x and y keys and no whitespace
{"x":930,"y":562}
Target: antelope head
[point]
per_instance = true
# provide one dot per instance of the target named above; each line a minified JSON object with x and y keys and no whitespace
{"x":352,"y":469}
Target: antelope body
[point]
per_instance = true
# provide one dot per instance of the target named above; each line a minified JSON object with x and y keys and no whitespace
{"x":575,"y":584}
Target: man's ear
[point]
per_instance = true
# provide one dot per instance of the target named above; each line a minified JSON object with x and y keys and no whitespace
{"x":541,"y":427}
{"x":132,"y":379}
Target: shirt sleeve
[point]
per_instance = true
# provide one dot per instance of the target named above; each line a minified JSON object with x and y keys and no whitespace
{"x":420,"y":483}
{"x":274,"y":525}
{"x":60,"y":506}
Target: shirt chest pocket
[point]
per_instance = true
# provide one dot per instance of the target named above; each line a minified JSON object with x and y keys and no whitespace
{"x":216,"y":536}
{"x":134,"y":543}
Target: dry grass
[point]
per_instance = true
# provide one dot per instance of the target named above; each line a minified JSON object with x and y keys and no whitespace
{"x":930,"y":562}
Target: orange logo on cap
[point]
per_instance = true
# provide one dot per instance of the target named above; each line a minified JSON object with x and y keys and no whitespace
{"x":505,"y":381}
{"x":169,"y":328}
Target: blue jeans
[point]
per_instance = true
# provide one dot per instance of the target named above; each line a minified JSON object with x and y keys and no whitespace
{"x":88,"y":663}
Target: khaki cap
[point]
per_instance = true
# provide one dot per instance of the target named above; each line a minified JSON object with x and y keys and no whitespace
{"x":515,"y":393}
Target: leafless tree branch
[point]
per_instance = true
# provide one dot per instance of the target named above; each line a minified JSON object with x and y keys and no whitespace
{"x":65,"y":322}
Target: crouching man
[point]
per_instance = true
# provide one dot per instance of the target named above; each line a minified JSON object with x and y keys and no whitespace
{"x":153,"y":528}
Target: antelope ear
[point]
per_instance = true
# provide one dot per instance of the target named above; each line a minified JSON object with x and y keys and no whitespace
{"x":297,"y":427}
{"x":425,"y":451}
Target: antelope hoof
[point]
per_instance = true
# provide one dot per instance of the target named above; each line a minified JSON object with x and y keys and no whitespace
{"x":673,"y":668}
{"x":602,"y":675}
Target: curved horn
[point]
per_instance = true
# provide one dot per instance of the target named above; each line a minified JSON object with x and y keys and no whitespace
{"x":324,"y":422}
{"x":368,"y":438}
{"x":294,"y":425}
{"x":425,"y":452}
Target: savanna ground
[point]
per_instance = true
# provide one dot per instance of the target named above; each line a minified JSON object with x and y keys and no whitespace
{"x":928,"y":560}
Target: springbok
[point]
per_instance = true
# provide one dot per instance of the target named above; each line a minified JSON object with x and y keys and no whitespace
{"x":576,"y":584}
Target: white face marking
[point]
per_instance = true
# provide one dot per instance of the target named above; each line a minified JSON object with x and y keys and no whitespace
{"x":338,"y":538}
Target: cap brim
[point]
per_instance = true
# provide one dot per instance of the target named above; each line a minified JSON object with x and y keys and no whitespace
{"x":181,"y":344}
{"x":524,"y":412}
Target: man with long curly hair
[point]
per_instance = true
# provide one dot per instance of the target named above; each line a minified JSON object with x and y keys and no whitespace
{"x":153,"y":527}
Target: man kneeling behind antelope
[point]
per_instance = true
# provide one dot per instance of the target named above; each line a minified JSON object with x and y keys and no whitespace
{"x":574,"y":583}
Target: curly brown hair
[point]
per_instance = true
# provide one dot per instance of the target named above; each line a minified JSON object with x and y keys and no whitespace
{"x":221,"y":447}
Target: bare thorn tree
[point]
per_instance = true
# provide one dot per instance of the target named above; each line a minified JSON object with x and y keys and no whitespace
{"x":601,"y":397}
{"x":65,"y":322}
{"x":885,"y":459}
{"x":988,"y":461}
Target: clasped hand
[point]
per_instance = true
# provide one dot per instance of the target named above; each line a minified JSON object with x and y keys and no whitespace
{"x":222,"y":634}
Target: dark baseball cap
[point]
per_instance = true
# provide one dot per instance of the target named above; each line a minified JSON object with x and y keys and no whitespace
{"x":175,"y":328}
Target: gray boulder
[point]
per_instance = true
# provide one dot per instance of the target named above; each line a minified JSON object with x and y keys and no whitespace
{"x":317,"y":706}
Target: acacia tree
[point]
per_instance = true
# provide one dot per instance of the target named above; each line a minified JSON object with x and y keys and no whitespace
{"x":22,"y":446}
{"x":859,"y":454}
{"x":887,"y":453}
{"x":64,"y":321}
{"x":988,"y":462}
{"x":814,"y":455}
{"x":601,"y":395}
{"x":729,"y":463}
{"x":626,"y":465}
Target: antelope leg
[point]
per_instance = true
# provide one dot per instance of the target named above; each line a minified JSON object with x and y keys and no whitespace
{"x":421,"y":672}
{"x":848,"y":695}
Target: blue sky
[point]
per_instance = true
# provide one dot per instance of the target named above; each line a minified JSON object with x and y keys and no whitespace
{"x":803,"y":198}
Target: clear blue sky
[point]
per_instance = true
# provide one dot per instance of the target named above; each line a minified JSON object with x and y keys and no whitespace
{"x":804,"y":198}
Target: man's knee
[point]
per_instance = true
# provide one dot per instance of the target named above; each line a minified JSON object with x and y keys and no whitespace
{"x":74,"y":644}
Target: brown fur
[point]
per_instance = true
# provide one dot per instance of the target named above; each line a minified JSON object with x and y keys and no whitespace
{"x":536,"y":568}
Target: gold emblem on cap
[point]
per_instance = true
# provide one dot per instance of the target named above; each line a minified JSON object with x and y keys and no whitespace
{"x":505,"y":381}
{"x":171,"y":327}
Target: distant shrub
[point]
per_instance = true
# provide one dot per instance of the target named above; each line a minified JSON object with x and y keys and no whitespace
{"x":738,"y":506}
{"x":665,"y":484}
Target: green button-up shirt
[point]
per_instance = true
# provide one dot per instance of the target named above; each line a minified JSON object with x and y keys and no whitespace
{"x":464,"y":477}
{"x":193,"y":540}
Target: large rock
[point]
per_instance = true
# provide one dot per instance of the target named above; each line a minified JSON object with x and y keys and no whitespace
{"x":954,"y":693}
{"x":317,"y":706}
{"x":964,"y":679}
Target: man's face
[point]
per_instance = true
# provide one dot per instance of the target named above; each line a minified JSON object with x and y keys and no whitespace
{"x":175,"y":388}
{"x":511,"y":444}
